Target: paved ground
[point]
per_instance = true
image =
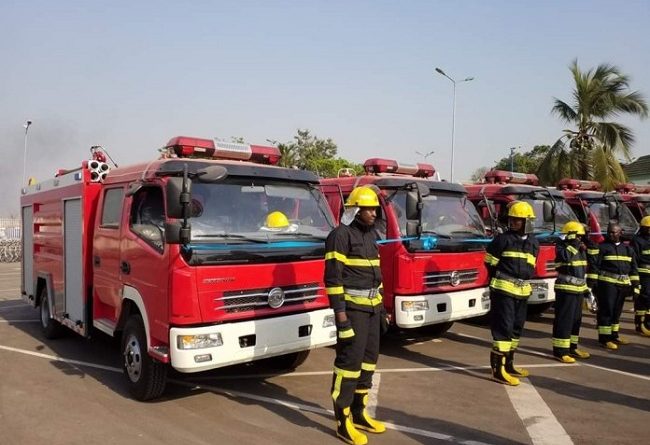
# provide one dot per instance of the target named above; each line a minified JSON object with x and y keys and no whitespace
{"x":71,"y":391}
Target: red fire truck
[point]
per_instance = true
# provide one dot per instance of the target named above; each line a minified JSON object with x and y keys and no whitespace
{"x":636,"y":197}
{"x":177,"y":257}
{"x":432,"y":246}
{"x":492,"y":199}
{"x":596,"y":208}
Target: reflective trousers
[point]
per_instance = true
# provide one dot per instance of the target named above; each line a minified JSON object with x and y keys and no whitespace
{"x":611,"y":298}
{"x":642,"y":301}
{"x":567,"y":321}
{"x":507,"y":318}
{"x":356,"y":358}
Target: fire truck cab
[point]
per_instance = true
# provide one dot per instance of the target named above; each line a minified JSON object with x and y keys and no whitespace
{"x":181,"y":259}
{"x":636,"y":198}
{"x":493,"y":198}
{"x":431,"y":244}
{"x":597,"y":208}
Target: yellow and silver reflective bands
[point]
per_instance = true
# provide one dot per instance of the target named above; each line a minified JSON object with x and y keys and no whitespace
{"x":491,"y":259}
{"x":640,"y":312}
{"x":591,"y":276}
{"x":593,"y":251}
{"x":564,"y":343}
{"x":523,"y":291}
{"x":645,"y":252}
{"x":368,"y":366}
{"x":616,"y":327}
{"x":334,"y":290}
{"x":575,"y":263}
{"x":360,"y":262}
{"x":572,"y":249}
{"x":571,"y":287}
{"x":340,"y":375}
{"x":644,"y":270}
{"x":364,"y":301}
{"x":514,"y":344}
{"x":614,"y":278}
{"x":604,"y":330}
{"x":346,"y":333}
{"x":617,"y":258}
{"x":574,"y":339}
{"x":502,"y":346}
{"x":529,"y":257}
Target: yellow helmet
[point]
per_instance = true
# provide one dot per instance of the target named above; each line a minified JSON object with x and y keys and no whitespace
{"x":277,"y":220}
{"x":573,"y":227}
{"x":521,"y":209}
{"x":362,"y":197}
{"x":645,"y":221}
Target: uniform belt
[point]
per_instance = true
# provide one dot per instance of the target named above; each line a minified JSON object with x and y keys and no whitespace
{"x":370,"y":293}
{"x":570,"y":279}
{"x":615,"y":276}
{"x":504,"y":276}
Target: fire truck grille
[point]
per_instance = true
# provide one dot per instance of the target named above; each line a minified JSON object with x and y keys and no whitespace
{"x":250,"y":299}
{"x":550,"y":266}
{"x":450,"y":278}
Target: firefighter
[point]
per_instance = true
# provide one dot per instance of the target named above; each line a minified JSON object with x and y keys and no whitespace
{"x":614,"y":270}
{"x":570,"y":289}
{"x":641,"y":246}
{"x":353,"y":281}
{"x":510,"y":259}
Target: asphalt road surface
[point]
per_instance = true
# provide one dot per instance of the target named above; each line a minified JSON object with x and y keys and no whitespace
{"x":429,"y":390}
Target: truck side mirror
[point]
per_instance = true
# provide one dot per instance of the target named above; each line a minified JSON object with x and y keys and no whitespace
{"x":549,"y":213}
{"x":176,"y":234}
{"x":174,"y":194}
{"x":612,"y":210}
{"x":413,"y":229}
{"x":413,"y":205}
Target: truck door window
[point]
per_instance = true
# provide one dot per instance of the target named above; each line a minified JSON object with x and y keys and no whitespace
{"x":148,"y":216}
{"x":112,"y":208}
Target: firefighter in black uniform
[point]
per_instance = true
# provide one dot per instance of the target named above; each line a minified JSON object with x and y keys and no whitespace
{"x":570,"y":289}
{"x":641,"y":246}
{"x":616,"y":271}
{"x":510,"y":259}
{"x":353,"y":282}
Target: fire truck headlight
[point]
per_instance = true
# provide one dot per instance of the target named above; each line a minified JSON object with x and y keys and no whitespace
{"x":412,"y":306}
{"x":199,"y":341}
{"x":329,"y":321}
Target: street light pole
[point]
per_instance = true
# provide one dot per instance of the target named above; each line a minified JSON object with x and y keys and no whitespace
{"x":512,"y":159}
{"x":26,"y":125}
{"x":453,"y":117}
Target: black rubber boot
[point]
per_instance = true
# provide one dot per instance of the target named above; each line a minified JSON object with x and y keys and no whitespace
{"x":499,"y":373}
{"x":641,"y":326}
{"x":360,"y":416}
{"x":512,"y":369}
{"x":345,"y":430}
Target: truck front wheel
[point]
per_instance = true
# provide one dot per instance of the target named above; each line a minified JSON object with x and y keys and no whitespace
{"x":51,"y":328}
{"x":145,"y":376}
{"x":286,"y":362}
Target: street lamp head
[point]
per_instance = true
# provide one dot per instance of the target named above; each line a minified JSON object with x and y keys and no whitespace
{"x":27,"y":124}
{"x":441,"y":71}
{"x":467,"y":79}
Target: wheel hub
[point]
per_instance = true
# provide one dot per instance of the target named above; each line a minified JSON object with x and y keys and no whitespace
{"x":133,"y":358}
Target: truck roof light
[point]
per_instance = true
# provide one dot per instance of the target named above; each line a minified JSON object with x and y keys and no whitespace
{"x":506,"y":177}
{"x":578,"y":184}
{"x":185,"y":147}
{"x":379,"y":165}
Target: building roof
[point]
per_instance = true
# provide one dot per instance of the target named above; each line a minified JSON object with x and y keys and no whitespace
{"x":640,"y":167}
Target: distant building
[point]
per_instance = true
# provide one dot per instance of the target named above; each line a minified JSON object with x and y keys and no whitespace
{"x":638,"y":171}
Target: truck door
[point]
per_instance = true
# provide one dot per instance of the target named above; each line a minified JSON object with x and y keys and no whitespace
{"x":107,"y":276}
{"x":145,"y":259}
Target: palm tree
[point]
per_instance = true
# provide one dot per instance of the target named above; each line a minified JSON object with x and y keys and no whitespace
{"x":591,"y":150}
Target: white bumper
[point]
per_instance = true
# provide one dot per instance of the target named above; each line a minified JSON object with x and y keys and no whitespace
{"x":443,"y":307}
{"x":543,"y":291}
{"x":273,"y":336}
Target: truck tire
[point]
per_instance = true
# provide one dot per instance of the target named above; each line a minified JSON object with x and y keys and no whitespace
{"x":146,"y":377}
{"x":51,"y":328}
{"x":286,"y":362}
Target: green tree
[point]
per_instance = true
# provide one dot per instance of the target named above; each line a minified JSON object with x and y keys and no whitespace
{"x":526,"y":162}
{"x":590,"y":150}
{"x":479,"y":174}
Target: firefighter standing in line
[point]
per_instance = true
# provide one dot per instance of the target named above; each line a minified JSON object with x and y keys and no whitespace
{"x":510,"y":260}
{"x":611,"y":275}
{"x":353,"y":282}
{"x":570,"y":289}
{"x":641,"y":246}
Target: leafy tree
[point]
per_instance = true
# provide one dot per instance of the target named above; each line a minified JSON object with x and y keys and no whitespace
{"x":590,"y":150}
{"x":479,"y":174}
{"x":526,"y":162}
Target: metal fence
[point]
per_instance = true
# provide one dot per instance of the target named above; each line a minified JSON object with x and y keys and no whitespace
{"x":10,"y":247}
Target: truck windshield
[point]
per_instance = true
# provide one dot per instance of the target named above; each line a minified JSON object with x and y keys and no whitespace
{"x":448,"y":215}
{"x":259,"y":210}
{"x":626,"y":220}
{"x":563,"y":214}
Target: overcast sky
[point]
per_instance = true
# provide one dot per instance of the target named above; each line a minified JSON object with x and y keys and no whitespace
{"x":129,"y":75}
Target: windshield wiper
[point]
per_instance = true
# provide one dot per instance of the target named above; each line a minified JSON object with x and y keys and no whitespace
{"x":233,"y":236}
{"x":433,"y":232}
{"x":300,"y":234}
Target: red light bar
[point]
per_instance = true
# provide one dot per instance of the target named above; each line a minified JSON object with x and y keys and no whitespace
{"x":379,"y":165}
{"x":185,"y":147}
{"x":506,"y":177}
{"x":642,"y":188}
{"x":578,"y":184}
{"x":625,"y":188}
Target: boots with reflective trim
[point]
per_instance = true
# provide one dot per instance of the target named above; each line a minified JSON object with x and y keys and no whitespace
{"x":345,"y":430}
{"x":360,"y":416}
{"x":639,"y":323}
{"x":579,"y":353}
{"x":621,"y":341}
{"x":512,"y":369}
{"x":499,"y":373}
